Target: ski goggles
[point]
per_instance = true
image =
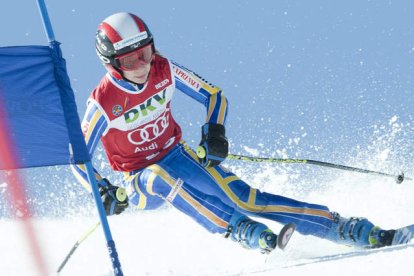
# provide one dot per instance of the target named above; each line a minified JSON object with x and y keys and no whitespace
{"x":135,"y":59}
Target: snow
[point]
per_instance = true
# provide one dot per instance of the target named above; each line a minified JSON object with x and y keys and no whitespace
{"x":165,"y":242}
{"x":327,"y":109}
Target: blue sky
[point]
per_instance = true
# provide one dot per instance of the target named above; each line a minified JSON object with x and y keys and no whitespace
{"x":313,"y":79}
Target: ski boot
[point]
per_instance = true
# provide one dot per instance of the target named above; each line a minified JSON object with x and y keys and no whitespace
{"x":358,"y":232}
{"x":380,"y":238}
{"x":255,"y":235}
{"x":267,"y":241}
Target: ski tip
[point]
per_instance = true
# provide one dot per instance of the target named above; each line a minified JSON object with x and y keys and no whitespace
{"x":285,"y":235}
{"x":403,"y":235}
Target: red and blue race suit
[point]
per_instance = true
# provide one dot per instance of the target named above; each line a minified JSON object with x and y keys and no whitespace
{"x":142,"y":140}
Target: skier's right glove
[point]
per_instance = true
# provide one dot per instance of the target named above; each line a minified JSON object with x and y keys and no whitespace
{"x":114,"y":198}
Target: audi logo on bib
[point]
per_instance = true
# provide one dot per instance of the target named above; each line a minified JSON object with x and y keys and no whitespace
{"x":150,"y":131}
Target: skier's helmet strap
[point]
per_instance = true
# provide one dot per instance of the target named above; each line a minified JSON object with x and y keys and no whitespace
{"x":119,"y":34}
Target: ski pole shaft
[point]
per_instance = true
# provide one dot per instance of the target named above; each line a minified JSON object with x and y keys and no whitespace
{"x":76,"y":245}
{"x":399,"y":178}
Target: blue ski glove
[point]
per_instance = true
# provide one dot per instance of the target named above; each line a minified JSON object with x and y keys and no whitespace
{"x":213,"y":148}
{"x":114,"y":198}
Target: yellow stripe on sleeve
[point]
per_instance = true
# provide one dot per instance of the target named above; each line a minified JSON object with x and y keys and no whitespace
{"x":222,"y":111}
{"x":79,"y":170}
{"x":92,"y":124}
{"x":212,"y":105}
{"x":210,"y":89}
{"x":79,"y":176}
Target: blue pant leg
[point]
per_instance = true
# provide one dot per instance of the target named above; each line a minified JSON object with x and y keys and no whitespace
{"x":207,"y":210}
{"x":138,"y":195}
{"x":184,"y":163}
{"x":309,"y":218}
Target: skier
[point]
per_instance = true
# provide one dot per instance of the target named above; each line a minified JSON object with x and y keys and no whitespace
{"x":130,"y":112}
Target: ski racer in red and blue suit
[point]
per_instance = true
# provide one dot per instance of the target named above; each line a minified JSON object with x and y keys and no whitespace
{"x":130,"y":113}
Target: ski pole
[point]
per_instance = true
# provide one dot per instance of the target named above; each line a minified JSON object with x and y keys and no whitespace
{"x":76,"y":245}
{"x":121,"y":197}
{"x":399,"y":178}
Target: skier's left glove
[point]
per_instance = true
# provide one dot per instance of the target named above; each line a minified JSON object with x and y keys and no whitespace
{"x":213,"y":148}
{"x":114,"y":198}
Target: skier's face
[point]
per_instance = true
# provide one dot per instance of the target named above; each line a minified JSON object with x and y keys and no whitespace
{"x":139,"y":75}
{"x":137,"y":64}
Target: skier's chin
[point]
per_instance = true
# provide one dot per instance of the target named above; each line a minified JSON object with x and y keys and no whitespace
{"x":138,"y":76}
{"x":140,"y":79}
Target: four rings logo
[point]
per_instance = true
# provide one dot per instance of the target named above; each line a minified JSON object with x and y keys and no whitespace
{"x":150,"y":132}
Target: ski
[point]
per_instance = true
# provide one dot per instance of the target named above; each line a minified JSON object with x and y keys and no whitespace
{"x":403,"y":235}
{"x":401,"y":240}
{"x":285,"y":234}
{"x":352,"y":254}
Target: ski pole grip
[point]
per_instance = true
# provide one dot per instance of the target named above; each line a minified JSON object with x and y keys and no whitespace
{"x":201,"y":152}
{"x":121,"y":194}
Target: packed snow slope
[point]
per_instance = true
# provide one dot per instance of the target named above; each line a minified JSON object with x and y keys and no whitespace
{"x":165,"y":242}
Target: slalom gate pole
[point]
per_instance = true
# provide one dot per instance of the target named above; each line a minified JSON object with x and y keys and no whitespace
{"x":89,"y":169}
{"x":18,"y":195}
{"x":46,"y":20}
{"x":76,"y":245}
{"x":113,"y":254}
{"x":399,"y":178}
